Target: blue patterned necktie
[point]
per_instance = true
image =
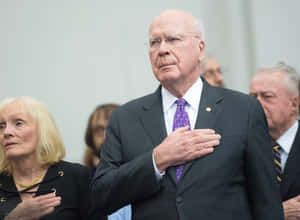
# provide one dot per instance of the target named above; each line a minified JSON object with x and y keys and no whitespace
{"x":277,"y":161}
{"x":181,"y":119}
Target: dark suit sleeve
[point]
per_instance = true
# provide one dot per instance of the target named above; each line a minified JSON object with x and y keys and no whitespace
{"x":116,"y":182}
{"x":261,"y":179}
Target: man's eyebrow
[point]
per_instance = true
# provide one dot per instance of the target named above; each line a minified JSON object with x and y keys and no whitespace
{"x":153,"y":38}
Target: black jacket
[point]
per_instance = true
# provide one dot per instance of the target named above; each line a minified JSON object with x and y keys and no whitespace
{"x":69,"y":180}
{"x":290,"y":185}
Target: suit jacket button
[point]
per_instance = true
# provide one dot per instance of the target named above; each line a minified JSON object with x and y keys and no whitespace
{"x":179,"y":199}
{"x":3,"y":199}
{"x":60,"y":173}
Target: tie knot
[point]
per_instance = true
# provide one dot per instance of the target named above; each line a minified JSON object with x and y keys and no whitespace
{"x":181,"y":102}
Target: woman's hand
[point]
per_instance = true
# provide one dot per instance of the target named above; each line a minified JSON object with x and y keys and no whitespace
{"x":35,"y":207}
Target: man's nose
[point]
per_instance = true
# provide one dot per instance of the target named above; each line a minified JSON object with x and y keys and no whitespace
{"x":220,"y":77}
{"x":260,"y":99}
{"x":164,"y":48}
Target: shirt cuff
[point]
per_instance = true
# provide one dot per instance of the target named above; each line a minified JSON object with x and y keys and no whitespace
{"x":158,"y":175}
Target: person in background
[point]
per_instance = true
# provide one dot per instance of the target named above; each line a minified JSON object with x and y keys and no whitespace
{"x":94,"y":139}
{"x":211,"y":71}
{"x":35,"y":182}
{"x":189,"y":150}
{"x":277,"y":88}
{"x":95,"y":133}
{"x":90,"y":159}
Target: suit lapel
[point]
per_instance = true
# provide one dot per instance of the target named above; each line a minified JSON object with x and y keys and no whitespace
{"x":209,"y":109}
{"x":291,"y":167}
{"x":153,"y":118}
{"x":154,"y":123}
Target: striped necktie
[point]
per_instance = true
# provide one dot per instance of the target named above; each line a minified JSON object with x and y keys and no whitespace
{"x":277,"y":161}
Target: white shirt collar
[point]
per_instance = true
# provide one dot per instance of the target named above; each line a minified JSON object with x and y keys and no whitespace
{"x":286,"y":140}
{"x":191,"y":96}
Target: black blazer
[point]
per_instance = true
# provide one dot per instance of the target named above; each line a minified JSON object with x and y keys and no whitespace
{"x":68,"y":180}
{"x":290,"y":185}
{"x":236,"y":181}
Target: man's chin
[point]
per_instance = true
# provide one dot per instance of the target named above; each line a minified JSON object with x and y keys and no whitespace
{"x":167,"y":75}
{"x":167,"y":68}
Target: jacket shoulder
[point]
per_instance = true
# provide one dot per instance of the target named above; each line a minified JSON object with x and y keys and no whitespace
{"x":74,"y":168}
{"x":135,"y":105}
{"x":237,"y":97}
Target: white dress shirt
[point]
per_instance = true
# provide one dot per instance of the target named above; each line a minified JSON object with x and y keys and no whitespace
{"x":192,"y":97}
{"x":286,"y":141}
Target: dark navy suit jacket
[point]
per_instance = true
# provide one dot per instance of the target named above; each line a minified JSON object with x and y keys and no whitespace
{"x":236,"y":181}
{"x":290,"y":185}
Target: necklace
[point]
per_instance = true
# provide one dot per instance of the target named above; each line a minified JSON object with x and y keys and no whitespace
{"x":31,"y":184}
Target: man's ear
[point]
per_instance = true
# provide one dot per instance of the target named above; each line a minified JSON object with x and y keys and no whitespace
{"x":202,"y":49}
{"x":295,"y":101}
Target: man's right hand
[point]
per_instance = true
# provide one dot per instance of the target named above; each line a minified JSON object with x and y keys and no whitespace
{"x":184,"y":145}
{"x":292,"y":208}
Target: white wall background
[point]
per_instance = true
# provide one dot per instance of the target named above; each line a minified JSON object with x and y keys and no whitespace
{"x":75,"y":54}
{"x":276,"y":32}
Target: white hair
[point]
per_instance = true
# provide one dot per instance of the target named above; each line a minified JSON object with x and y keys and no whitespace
{"x":291,"y":79}
{"x":199,"y":27}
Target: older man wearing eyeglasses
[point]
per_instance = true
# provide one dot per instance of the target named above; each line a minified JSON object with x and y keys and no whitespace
{"x":189,"y":150}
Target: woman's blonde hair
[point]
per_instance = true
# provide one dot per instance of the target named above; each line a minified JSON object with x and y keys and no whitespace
{"x":50,"y":148}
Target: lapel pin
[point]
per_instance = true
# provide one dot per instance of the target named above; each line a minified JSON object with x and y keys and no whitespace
{"x":208,"y":109}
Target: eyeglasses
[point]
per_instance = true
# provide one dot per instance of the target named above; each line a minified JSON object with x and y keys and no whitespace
{"x":211,"y":73}
{"x":171,"y":40}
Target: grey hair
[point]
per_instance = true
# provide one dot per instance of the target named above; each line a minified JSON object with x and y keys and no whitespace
{"x":199,"y":26}
{"x":292,"y":78}
{"x":204,"y":61}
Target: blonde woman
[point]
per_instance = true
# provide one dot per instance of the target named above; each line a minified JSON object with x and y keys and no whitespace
{"x":35,"y":182}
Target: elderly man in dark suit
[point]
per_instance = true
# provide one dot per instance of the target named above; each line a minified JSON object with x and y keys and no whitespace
{"x":277,"y":88}
{"x":189,"y":150}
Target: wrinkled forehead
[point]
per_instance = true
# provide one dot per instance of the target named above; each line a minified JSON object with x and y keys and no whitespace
{"x":266,"y":81}
{"x":15,"y":109}
{"x":270,"y":77}
{"x":172,"y":22}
